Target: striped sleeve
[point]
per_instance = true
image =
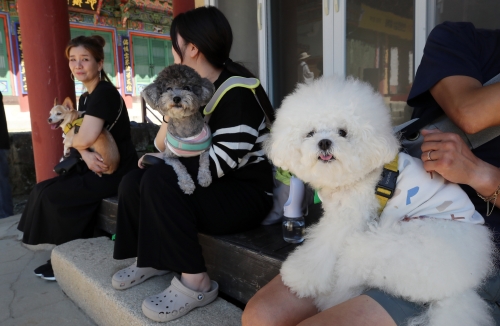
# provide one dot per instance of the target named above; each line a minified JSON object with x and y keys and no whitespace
{"x":238,"y":128}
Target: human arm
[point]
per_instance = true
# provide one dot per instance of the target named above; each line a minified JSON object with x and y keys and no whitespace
{"x":160,"y":135}
{"x":467,"y":103}
{"x":102,"y":108}
{"x":238,"y":129}
{"x":457,"y":60}
{"x":90,"y":129}
{"x":452,"y":159}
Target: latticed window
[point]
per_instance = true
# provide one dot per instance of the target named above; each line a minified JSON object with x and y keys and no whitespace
{"x":151,"y":55}
{"x":4,"y":64}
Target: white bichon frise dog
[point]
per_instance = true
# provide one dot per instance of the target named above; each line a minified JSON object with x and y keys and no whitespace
{"x":428,"y":246}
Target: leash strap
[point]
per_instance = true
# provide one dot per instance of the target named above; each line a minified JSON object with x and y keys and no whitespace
{"x":119,"y":113}
{"x":78,"y":122}
{"x":387,"y":184}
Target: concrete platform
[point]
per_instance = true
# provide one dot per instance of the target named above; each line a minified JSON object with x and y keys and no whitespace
{"x":84,"y":268}
{"x":25,"y":299}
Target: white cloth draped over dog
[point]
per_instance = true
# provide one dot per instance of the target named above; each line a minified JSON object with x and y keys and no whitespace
{"x":420,"y":194}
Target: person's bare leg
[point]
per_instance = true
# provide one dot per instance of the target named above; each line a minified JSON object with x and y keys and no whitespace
{"x":359,"y":311}
{"x":196,"y":282}
{"x":275,"y":305}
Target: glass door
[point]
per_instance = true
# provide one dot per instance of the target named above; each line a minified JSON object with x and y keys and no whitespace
{"x":482,"y":13}
{"x":296,"y":50}
{"x":380,"y":47}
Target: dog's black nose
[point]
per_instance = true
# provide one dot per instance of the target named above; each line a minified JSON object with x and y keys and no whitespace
{"x":49,"y":120}
{"x":324,"y":144}
{"x":177,"y":99}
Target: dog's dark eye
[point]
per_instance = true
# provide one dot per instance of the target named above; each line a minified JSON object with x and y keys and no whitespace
{"x":58,"y":113}
{"x":186,"y":88}
{"x":169,"y":89}
{"x":342,"y":133}
{"x":310,"y":134}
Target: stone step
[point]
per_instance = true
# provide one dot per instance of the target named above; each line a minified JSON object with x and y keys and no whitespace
{"x":83,"y":269}
{"x":241,"y":263}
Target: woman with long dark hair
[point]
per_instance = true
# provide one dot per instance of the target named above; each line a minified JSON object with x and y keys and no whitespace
{"x":157,"y":222}
{"x":64,"y":208}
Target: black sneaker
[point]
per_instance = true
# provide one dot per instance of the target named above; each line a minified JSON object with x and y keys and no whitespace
{"x":48,"y":274}
{"x":39,"y":270}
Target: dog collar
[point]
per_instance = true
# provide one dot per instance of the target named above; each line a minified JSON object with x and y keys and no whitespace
{"x":70,"y":125}
{"x":191,"y":146}
{"x":387,"y":184}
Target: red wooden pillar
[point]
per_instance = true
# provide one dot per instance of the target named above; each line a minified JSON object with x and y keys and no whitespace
{"x":180,"y":6}
{"x":45,"y":34}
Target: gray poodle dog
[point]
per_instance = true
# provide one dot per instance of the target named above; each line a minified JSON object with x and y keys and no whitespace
{"x":178,"y":92}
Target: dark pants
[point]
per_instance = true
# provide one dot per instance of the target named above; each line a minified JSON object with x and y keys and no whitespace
{"x":159,"y":224}
{"x":6,"y":207}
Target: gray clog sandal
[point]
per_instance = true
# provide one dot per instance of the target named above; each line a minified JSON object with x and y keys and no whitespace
{"x":176,"y":301}
{"x":133,"y":275}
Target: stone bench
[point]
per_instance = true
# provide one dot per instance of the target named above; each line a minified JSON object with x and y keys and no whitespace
{"x":241,"y":263}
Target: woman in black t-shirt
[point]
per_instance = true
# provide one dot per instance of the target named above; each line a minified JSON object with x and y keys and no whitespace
{"x":64,"y":208}
{"x":157,"y":222}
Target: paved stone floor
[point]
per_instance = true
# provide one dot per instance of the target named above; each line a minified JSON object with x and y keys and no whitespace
{"x":24,"y":298}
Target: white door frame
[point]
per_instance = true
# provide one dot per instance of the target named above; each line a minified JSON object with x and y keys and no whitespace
{"x":213,"y":3}
{"x":263,"y":40}
{"x":338,"y":28}
{"x":421,"y":30}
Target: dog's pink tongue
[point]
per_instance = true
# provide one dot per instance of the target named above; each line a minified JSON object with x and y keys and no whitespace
{"x":325,"y":157}
{"x":53,"y":126}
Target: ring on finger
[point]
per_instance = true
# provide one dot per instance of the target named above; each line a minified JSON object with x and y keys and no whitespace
{"x":429,"y":155}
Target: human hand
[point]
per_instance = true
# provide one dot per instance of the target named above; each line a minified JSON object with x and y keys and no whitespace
{"x":448,"y":155}
{"x":94,"y":162}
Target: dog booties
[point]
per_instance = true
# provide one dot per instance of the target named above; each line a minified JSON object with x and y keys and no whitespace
{"x":190,"y":146}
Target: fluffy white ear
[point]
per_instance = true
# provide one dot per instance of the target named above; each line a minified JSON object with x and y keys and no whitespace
{"x":387,"y":147}
{"x":277,"y":149}
{"x":207,"y":90}
{"x":151,"y":94}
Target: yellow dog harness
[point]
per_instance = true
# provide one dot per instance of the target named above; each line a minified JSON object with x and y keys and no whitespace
{"x":387,"y":184}
{"x":71,"y":125}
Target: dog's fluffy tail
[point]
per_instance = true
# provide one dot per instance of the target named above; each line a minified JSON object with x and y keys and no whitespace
{"x":466,"y":309}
